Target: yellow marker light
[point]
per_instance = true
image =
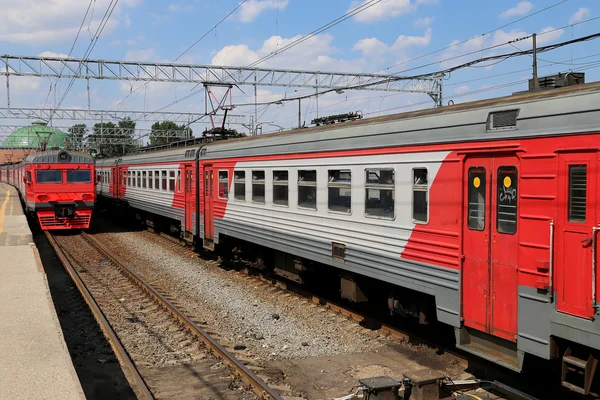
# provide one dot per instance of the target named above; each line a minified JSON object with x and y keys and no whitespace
{"x":507,"y":181}
{"x":477,"y":182}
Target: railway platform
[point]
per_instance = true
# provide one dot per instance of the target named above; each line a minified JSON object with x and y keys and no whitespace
{"x":34,"y":359}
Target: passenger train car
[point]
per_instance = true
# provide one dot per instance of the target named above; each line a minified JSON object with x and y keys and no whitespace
{"x":57,"y":186}
{"x":482,"y":215}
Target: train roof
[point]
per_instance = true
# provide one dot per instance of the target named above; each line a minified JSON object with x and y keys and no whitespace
{"x":59,"y":156}
{"x":572,"y":109}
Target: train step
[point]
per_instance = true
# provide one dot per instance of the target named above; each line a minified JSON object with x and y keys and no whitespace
{"x":489,"y":348}
{"x":580,"y":370}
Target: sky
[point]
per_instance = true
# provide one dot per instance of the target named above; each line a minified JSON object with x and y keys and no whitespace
{"x":403,"y":37}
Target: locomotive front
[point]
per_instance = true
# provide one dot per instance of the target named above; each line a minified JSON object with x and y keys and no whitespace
{"x":60,"y":189}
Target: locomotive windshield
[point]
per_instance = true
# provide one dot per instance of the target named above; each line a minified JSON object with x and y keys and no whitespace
{"x":49,"y":176}
{"x":79,"y":176}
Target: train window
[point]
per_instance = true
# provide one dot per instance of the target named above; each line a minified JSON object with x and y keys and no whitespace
{"x":171,"y":181}
{"x":340,"y":190}
{"x":28,"y":176}
{"x":280,"y":188}
{"x":144,"y":179}
{"x":239,"y":185}
{"x":139,"y":178}
{"x":79,"y":176}
{"x":157,"y":180}
{"x":380,"y":193}
{"x":506,"y":213}
{"x":150,"y":179}
{"x":223,"y":184}
{"x":420,"y":195}
{"x":258,"y":186}
{"x":128,"y":178}
{"x":49,"y":176}
{"x":124,"y":178}
{"x":178,"y":181}
{"x":577,"y":193}
{"x":163,"y":175}
{"x":307,"y":189}
{"x":476,"y":206}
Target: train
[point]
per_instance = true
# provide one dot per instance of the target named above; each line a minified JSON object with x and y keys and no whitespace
{"x":482,"y":215}
{"x":57,"y":187}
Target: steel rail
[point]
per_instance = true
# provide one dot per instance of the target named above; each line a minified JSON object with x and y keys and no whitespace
{"x":133,"y":375}
{"x":259,"y":387}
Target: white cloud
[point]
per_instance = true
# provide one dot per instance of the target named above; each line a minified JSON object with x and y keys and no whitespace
{"x":382,"y":10}
{"x":251,"y":9}
{"x":374,"y":48}
{"x":462,"y":89}
{"x":127,"y":21}
{"x":314,"y":53}
{"x":141,"y":55}
{"x":180,"y":7}
{"x":423,"y":22}
{"x":52,"y":54}
{"x":38,"y":23}
{"x":520,"y":9}
{"x":579,"y":15}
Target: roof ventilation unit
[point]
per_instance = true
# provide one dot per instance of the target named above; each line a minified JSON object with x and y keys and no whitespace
{"x":502,"y":120}
{"x":560,"y":80}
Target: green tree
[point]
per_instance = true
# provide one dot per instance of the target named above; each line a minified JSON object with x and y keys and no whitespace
{"x":76,"y":135}
{"x":110,"y":140}
{"x":223,"y":133}
{"x":169,"y":132}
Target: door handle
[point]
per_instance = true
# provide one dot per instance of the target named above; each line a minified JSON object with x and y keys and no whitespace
{"x":586,"y":241}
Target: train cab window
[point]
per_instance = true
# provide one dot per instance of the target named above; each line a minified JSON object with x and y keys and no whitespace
{"x":239,"y":185}
{"x":280,"y":188}
{"x":49,"y":176}
{"x":506,"y":213}
{"x":79,"y":176}
{"x":307,"y":189}
{"x":171,"y":181}
{"x":420,"y":195}
{"x":157,"y":180}
{"x":258,"y":187}
{"x":340,"y":191}
{"x":476,"y":206}
{"x":223,"y":184}
{"x":577,"y":193}
{"x":380,"y":193}
{"x":163,"y":178}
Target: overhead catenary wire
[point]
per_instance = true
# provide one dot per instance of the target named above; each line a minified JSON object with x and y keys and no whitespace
{"x":475,"y":37}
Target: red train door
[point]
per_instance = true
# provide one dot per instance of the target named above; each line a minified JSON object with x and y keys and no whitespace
{"x":576,"y":219}
{"x":114,"y":182}
{"x":491,"y":245}
{"x":189,"y":198}
{"x":208,"y":203}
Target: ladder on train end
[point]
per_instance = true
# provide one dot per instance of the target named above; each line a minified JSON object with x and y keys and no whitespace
{"x":580,"y":370}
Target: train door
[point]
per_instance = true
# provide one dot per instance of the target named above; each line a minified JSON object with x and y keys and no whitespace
{"x":189,"y":197}
{"x":208,"y":204}
{"x":491,"y":245}
{"x":114,"y":184}
{"x":576,"y":234}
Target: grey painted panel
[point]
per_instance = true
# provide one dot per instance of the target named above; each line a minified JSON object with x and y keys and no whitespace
{"x":161,"y":156}
{"x":440,"y":282}
{"x":576,"y":329}
{"x":536,"y":118}
{"x":535,"y":312}
{"x":168,"y":212}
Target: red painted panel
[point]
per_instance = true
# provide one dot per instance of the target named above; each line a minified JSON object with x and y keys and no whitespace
{"x":573,"y":269}
{"x":209,"y":190}
{"x":504,"y":301}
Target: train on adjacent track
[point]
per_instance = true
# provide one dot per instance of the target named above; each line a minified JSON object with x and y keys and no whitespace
{"x":56,"y":186}
{"x":483,"y":215}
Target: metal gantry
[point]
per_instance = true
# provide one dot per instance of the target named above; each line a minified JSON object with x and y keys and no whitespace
{"x":110,"y":115}
{"x":207,"y":74}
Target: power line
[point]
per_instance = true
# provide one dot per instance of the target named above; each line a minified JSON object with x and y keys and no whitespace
{"x":487,"y":48}
{"x":474,"y":37}
{"x":315,"y":32}
{"x":101,"y":26}
{"x":70,"y":51}
{"x":188,"y":49}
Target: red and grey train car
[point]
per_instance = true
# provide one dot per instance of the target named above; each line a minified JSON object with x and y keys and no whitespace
{"x":489,"y":209}
{"x":57,"y":186}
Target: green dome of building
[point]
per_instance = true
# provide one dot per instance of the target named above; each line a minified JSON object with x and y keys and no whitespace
{"x":34,"y":136}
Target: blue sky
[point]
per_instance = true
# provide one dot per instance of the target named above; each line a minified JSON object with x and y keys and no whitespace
{"x":392,"y":32}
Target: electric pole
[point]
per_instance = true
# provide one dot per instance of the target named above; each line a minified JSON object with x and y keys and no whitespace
{"x":536,"y":81}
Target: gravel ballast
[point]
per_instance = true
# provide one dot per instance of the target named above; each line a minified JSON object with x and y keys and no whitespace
{"x":262,"y":322}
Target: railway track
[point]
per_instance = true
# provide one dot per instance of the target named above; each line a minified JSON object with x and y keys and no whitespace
{"x":158,"y":345}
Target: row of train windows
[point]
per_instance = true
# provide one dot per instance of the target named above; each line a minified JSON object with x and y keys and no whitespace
{"x":379,"y":190}
{"x":506,"y":197}
{"x":154,"y":179}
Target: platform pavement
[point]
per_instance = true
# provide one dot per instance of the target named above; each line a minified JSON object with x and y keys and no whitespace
{"x":34,"y":359}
